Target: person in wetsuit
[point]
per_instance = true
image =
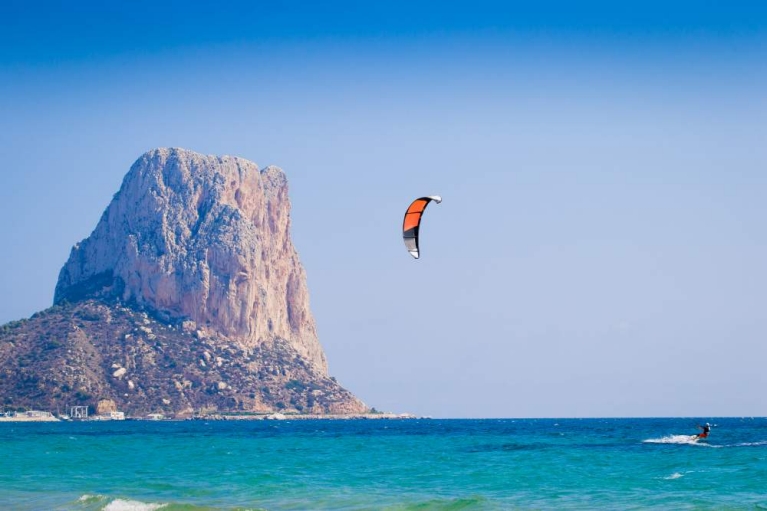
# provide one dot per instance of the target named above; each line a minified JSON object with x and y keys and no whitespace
{"x":704,"y":433}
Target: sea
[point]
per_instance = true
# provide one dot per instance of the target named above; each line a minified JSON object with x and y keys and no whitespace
{"x":397,"y":464}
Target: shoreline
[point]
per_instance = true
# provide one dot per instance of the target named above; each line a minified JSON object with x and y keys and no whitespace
{"x":37,"y":416}
{"x":281,"y":416}
{"x":30,"y":416}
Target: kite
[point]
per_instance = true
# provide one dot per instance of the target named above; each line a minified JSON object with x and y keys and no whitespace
{"x":412,"y":223}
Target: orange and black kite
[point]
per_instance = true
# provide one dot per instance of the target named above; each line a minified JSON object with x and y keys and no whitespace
{"x":412,"y":223}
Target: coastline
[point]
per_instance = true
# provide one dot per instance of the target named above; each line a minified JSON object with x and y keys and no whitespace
{"x":281,"y":416}
{"x":30,"y":416}
{"x":39,"y":416}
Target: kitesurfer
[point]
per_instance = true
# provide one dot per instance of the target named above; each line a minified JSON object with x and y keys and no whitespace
{"x":705,"y":430}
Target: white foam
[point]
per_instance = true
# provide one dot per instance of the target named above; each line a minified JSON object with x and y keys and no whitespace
{"x":88,"y":497}
{"x":132,"y":505}
{"x":751,"y":444}
{"x":674,"y":439}
{"x":675,"y":475}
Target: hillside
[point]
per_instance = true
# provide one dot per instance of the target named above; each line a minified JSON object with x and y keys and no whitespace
{"x":83,"y":353}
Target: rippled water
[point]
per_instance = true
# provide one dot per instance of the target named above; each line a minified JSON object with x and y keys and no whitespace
{"x":385,"y":464}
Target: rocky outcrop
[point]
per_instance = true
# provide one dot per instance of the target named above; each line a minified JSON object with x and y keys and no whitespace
{"x":202,"y":238}
{"x":111,"y":357}
{"x":188,"y":295}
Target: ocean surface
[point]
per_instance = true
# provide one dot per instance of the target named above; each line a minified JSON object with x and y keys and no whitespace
{"x":384,"y":464}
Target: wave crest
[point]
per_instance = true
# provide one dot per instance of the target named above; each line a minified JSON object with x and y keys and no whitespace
{"x":132,"y":505}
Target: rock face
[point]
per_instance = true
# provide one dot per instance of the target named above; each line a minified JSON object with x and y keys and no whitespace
{"x":188,"y":295}
{"x":205,"y":238}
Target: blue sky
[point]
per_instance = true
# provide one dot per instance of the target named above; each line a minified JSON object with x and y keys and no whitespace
{"x":600,"y":250}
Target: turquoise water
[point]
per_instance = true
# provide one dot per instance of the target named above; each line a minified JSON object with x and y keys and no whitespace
{"x":384,"y":464}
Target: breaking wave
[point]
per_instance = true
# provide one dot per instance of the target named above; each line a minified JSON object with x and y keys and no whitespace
{"x":132,"y":505}
{"x":90,"y":502}
{"x":104,"y":503}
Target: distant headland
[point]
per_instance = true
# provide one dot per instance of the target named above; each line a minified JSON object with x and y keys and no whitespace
{"x":188,"y":299}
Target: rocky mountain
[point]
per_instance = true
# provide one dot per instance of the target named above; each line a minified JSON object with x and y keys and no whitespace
{"x":188,"y":294}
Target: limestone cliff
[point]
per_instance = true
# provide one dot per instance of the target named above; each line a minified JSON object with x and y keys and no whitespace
{"x":203,"y":238}
{"x":188,"y":295}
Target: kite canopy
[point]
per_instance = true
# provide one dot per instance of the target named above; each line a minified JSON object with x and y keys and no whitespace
{"x":412,"y":223}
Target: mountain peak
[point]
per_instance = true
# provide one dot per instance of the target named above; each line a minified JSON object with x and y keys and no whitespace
{"x":201,"y":238}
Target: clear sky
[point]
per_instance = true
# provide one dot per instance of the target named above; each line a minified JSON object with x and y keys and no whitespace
{"x":601,"y":247}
